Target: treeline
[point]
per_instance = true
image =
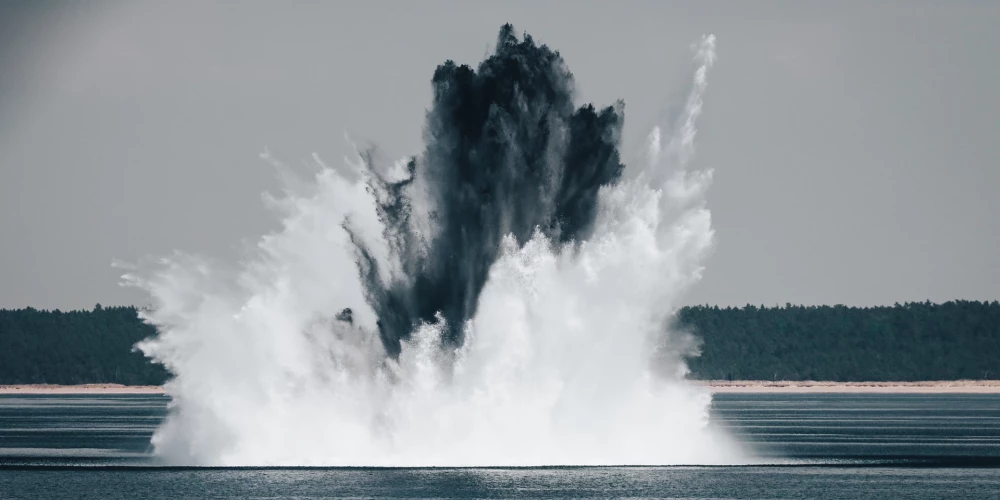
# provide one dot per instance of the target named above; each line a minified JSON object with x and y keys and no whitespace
{"x":75,"y":347}
{"x":914,"y":341}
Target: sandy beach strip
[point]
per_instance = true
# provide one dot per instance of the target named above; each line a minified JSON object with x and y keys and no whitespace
{"x":809,"y":386}
{"x":80,"y":389}
{"x":716,"y":386}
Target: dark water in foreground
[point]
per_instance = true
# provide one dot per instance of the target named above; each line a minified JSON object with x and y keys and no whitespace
{"x":819,"y":446}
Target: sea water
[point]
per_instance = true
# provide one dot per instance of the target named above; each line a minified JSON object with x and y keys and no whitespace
{"x":810,"y":446}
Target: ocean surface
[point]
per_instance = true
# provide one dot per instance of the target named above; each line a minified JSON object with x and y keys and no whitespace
{"x":813,"y":446}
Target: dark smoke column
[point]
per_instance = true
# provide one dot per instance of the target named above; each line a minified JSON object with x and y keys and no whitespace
{"x":507,"y":152}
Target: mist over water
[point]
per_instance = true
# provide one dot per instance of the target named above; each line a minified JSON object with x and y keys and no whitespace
{"x":502,"y":299}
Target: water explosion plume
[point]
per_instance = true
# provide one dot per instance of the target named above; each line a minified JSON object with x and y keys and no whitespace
{"x":502,"y":299}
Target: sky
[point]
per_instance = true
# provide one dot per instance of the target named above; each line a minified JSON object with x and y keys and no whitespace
{"x":855,"y":144}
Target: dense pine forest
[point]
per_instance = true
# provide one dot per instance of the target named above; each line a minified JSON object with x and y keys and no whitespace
{"x":914,"y":341}
{"x":75,"y":347}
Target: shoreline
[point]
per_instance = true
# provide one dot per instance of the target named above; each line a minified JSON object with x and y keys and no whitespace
{"x":820,"y":387}
{"x":80,"y":389}
{"x":716,"y":386}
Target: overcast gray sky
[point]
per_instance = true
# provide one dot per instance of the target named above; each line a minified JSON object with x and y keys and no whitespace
{"x":855,"y":144}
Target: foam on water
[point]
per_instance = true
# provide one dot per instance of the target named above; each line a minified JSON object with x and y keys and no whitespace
{"x":564,"y":359}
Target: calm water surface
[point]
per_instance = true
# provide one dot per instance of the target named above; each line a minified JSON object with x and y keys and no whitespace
{"x":819,"y":446}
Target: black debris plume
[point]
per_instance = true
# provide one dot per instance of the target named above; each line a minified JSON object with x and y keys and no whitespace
{"x":507,"y":152}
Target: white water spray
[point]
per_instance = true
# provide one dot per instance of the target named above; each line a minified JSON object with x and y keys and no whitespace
{"x":564,"y":363}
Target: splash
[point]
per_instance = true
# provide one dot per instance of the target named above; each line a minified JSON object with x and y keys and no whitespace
{"x":502,"y":299}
